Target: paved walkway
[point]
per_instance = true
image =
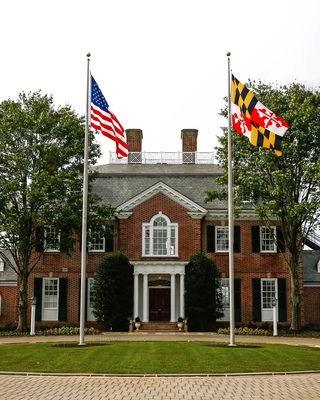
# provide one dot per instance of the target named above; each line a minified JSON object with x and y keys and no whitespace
{"x":304,"y":386}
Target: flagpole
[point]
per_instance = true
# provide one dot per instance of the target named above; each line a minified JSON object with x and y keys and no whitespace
{"x":84,"y":215}
{"x":230,"y":213}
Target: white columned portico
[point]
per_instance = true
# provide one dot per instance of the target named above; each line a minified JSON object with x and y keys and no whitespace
{"x":182,"y":295}
{"x":173,"y":298}
{"x":145,"y":317}
{"x":164,"y":270}
{"x":136,"y":296}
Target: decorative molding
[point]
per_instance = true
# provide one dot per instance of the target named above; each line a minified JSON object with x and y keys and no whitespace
{"x":159,"y":267}
{"x":161,"y":187}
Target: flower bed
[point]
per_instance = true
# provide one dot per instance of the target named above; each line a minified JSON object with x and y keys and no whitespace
{"x":245,"y":331}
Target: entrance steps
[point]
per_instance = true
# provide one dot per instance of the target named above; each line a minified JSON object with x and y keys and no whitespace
{"x":158,"y":327}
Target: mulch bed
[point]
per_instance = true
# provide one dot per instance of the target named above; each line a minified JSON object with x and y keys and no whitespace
{"x":237,"y":346}
{"x":77,"y":345}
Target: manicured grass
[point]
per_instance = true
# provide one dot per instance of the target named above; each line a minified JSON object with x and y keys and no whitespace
{"x":157,"y":358}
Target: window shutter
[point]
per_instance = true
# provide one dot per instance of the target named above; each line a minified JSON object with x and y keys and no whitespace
{"x":210,"y":239}
{"x":108,"y":242}
{"x":280,"y":241}
{"x":255,"y":239}
{"x":256,"y":299}
{"x":63,"y":299}
{"x":39,"y":240}
{"x":64,"y":236}
{"x":237,"y":299}
{"x":282,"y":300}
{"x":236,"y":237}
{"x":37,"y":292}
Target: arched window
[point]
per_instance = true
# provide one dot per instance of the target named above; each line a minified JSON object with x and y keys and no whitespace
{"x":160,"y":237}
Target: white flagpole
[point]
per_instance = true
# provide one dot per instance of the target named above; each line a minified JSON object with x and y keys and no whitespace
{"x":230,"y":213}
{"x":84,"y":216}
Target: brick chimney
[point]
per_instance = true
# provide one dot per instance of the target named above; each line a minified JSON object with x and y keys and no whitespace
{"x":189,"y":145}
{"x":134,"y":142}
{"x":189,"y":140}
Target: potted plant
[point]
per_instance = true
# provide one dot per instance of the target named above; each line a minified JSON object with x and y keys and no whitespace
{"x":137,"y":323}
{"x":180,"y":323}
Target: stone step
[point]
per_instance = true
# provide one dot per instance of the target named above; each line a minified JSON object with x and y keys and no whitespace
{"x":158,"y":327}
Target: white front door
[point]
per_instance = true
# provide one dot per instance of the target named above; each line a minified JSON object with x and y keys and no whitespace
{"x":269,"y":291}
{"x":50,"y":304}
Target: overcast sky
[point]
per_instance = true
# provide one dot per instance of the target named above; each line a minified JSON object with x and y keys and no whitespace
{"x":161,"y":65}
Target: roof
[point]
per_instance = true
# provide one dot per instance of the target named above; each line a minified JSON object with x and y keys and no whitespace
{"x":310,"y":259}
{"x":117,"y":184}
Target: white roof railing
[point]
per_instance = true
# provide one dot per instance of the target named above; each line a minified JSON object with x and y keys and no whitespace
{"x":162,"y":157}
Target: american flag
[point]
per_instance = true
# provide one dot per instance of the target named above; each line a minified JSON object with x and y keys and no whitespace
{"x":103,"y":119}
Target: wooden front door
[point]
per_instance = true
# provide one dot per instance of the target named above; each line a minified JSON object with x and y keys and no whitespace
{"x":159,"y":301}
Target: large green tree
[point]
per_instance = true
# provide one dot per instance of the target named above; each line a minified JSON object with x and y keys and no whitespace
{"x":286,"y":188}
{"x":113,"y":291}
{"x":41,"y":168}
{"x":203,"y":298}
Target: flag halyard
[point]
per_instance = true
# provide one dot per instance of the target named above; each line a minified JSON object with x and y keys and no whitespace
{"x":104,"y":120}
{"x":252,"y":119}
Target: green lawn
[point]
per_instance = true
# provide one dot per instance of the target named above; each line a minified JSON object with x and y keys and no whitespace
{"x":157,"y":358}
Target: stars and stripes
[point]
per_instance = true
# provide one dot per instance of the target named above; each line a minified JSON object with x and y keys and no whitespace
{"x":252,"y":119}
{"x":103,"y":119}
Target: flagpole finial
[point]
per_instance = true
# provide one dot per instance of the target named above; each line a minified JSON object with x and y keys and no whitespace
{"x":88,"y":55}
{"x":228,"y":54}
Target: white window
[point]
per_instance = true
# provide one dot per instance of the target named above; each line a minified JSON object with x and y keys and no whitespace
{"x":222,"y":238}
{"x":160,"y":237}
{"x":90,"y":316}
{"x":268,"y":239}
{"x":51,"y":239}
{"x":50,"y":305}
{"x":269,"y":292}
{"x":225,"y":291}
{"x":1,"y":265}
{"x":97,"y":241}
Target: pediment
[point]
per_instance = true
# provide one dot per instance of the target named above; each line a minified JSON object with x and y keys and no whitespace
{"x":194,"y":209}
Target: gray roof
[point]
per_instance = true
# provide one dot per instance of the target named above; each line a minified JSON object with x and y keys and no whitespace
{"x":8,"y":277}
{"x":310,"y":259}
{"x":119,"y":183}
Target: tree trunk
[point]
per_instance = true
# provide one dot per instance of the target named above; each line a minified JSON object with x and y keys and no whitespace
{"x":23,"y":304}
{"x":295,"y":297}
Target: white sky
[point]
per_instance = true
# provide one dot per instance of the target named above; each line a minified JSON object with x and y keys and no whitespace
{"x":161,"y":65}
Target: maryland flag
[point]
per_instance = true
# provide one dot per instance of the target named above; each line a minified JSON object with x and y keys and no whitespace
{"x":252,"y":119}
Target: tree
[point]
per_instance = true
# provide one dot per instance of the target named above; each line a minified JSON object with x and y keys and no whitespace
{"x":113,"y":291}
{"x":285,"y":188}
{"x":203,"y":301}
{"x":41,"y":167}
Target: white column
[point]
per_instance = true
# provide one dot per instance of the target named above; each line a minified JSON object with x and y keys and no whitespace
{"x":145,"y":298}
{"x":182,"y":295}
{"x":173,"y":298}
{"x":136,"y":296}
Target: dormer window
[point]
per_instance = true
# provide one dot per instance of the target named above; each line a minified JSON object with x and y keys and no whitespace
{"x":160,"y":237}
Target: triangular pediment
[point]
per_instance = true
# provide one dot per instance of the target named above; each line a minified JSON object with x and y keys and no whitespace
{"x":194,"y":209}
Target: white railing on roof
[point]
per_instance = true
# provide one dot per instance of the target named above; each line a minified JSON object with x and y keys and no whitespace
{"x":162,"y":157}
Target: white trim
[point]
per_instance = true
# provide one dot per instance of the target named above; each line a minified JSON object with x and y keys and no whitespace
{"x":50,"y":313}
{"x":274,"y":239}
{"x":267,"y":313}
{"x":150,"y":226}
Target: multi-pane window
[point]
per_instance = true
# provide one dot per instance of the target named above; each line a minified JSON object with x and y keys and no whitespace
{"x":51,"y":291}
{"x":267,"y":239}
{"x":51,"y":239}
{"x":97,"y":241}
{"x":269,"y":292}
{"x":225,"y":290}
{"x":160,"y":237}
{"x":222,"y":238}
